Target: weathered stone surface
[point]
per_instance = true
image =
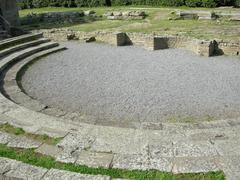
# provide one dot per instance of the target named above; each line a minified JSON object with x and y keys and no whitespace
{"x":194,"y":165}
{"x":23,"y":142}
{"x":72,"y":145}
{"x":229,"y":163}
{"x":228,"y":147}
{"x":127,"y":141}
{"x":65,"y":175}
{"x":131,"y":162}
{"x":161,"y":164}
{"x":125,"y":15}
{"x":7,"y":165}
{"x":55,"y":133}
{"x":94,"y":159}
{"x":194,"y":149}
{"x":89,"y":12}
{"x":5,"y":138}
{"x":161,"y":149}
{"x":25,"y":171}
{"x":48,"y":150}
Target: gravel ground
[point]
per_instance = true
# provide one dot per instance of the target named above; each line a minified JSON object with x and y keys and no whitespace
{"x":133,"y":84}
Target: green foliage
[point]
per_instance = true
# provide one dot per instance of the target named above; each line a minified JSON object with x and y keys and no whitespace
{"x":237,"y":3}
{"x":40,"y":3}
{"x":89,"y":3}
{"x":202,"y":3}
{"x":24,"y":4}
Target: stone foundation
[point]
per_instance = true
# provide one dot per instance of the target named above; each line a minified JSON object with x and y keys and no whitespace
{"x":152,"y":42}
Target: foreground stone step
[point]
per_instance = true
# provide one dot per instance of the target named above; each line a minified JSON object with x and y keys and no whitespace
{"x":22,"y":46}
{"x":10,"y":85}
{"x":25,"y":53}
{"x":11,"y":169}
{"x":17,"y":40}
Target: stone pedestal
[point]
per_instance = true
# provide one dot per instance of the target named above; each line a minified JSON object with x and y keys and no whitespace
{"x":9,"y":11}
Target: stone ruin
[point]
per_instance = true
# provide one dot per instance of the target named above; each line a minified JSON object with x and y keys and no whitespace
{"x":204,"y":15}
{"x":128,"y":15}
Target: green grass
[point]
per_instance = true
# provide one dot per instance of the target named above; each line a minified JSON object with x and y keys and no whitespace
{"x":156,"y":22}
{"x":30,"y":157}
{"x":20,"y":132}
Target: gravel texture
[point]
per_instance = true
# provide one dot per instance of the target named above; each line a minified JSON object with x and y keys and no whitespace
{"x":133,"y":84}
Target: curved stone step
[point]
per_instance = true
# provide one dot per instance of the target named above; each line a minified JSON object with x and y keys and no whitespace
{"x":20,"y":39}
{"x":18,"y":47}
{"x":11,"y":88}
{"x":25,"y":53}
{"x":12,"y":169}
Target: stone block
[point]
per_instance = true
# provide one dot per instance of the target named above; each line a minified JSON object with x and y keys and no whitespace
{"x":131,"y":162}
{"x":194,"y":149}
{"x":160,"y":43}
{"x":194,"y":165}
{"x":25,"y":171}
{"x":7,"y":165}
{"x":5,"y":138}
{"x":23,"y":142}
{"x":49,"y":150}
{"x":94,"y":159}
{"x":66,"y":175}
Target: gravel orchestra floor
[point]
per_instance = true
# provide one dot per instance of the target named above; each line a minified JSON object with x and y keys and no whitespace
{"x":132,"y":84}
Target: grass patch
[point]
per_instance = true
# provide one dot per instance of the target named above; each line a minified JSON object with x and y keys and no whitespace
{"x":20,"y":132}
{"x":30,"y":157}
{"x":156,"y":22}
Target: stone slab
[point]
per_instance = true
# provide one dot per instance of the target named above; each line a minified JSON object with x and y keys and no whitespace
{"x":55,"y":133}
{"x":49,"y":150}
{"x":94,"y":159}
{"x":194,"y":165}
{"x":228,"y":147}
{"x":25,"y":171}
{"x":7,"y":165}
{"x":5,"y":138}
{"x":161,"y":164}
{"x":194,"y":149}
{"x":23,"y":142}
{"x":65,"y":175}
{"x":131,"y":162}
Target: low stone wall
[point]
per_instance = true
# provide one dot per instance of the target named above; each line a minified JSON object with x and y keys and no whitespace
{"x":228,"y":48}
{"x":151,"y":42}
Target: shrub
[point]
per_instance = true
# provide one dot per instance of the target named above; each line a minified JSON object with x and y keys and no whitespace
{"x":209,"y":3}
{"x":193,"y":3}
{"x":24,"y":4}
{"x":40,"y":3}
{"x":237,"y":3}
{"x":172,"y":2}
{"x":90,"y":3}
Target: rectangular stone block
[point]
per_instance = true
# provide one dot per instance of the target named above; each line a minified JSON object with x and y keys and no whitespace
{"x":94,"y":159}
{"x":160,"y":43}
{"x":23,"y":142}
{"x":49,"y":150}
{"x":66,"y":175}
{"x":25,"y":171}
{"x":194,"y":165}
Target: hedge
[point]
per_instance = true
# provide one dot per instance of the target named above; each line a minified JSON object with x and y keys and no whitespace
{"x":94,"y":3}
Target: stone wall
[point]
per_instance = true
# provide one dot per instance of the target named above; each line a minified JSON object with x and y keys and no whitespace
{"x":9,"y":11}
{"x":152,"y":42}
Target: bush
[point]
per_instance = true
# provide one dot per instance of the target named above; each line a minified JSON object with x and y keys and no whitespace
{"x":24,"y":4}
{"x":209,"y":3}
{"x":89,"y":3}
{"x":193,"y":3}
{"x":40,"y":3}
{"x":172,"y":2}
{"x":237,"y":3}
